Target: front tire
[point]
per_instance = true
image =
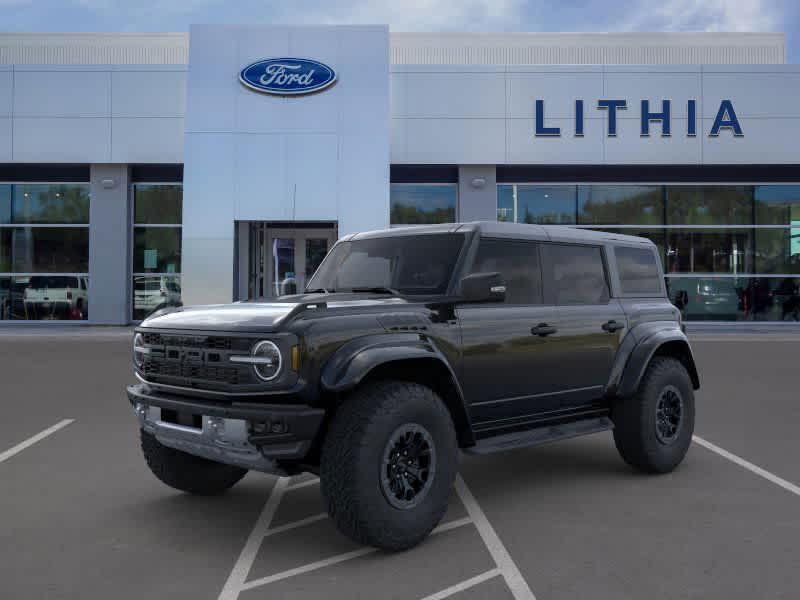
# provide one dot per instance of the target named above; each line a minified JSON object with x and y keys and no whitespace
{"x":186,"y":472}
{"x":653,"y":429}
{"x":388,"y":464}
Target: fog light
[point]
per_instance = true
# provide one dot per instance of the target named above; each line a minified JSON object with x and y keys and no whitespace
{"x":279,"y":428}
{"x":217,"y":425}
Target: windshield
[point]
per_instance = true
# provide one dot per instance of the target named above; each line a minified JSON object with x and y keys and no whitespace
{"x":409,"y":264}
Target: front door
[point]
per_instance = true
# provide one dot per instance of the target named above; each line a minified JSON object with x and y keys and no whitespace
{"x":283,"y":258}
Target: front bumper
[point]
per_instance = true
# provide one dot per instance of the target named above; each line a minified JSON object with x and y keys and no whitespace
{"x":224,"y":432}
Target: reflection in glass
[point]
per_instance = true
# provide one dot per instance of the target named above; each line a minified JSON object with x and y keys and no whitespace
{"x":44,"y":249}
{"x":158,"y":204}
{"x":44,"y":297}
{"x":25,"y":203}
{"x":709,"y":251}
{"x":154,"y":292}
{"x":157,"y":249}
{"x":620,"y":205}
{"x":505,"y":203}
{"x":778,"y":250}
{"x":777,"y":205}
{"x":316,"y":249}
{"x":546,"y":204}
{"x":710,"y":299}
{"x":417,"y":204}
{"x":736,"y":298}
{"x":284,"y":278}
{"x":709,"y":205}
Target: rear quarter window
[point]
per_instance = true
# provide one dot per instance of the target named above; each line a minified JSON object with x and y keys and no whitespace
{"x":639,"y":274}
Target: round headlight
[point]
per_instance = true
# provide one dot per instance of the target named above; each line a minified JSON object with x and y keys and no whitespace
{"x":268,"y":360}
{"x":138,"y":350}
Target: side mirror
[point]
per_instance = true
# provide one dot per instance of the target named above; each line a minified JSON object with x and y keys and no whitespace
{"x":483,"y":287}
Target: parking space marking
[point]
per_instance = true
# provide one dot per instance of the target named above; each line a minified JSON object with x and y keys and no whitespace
{"x":33,"y":439}
{"x":296,"y":524}
{"x":779,"y":481}
{"x":508,"y":568}
{"x":238,"y":575}
{"x":339,"y":558}
{"x":464,"y":585}
{"x":302,"y":484}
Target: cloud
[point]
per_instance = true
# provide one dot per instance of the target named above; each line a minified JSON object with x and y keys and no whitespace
{"x":414,"y":15}
{"x":704,"y":15}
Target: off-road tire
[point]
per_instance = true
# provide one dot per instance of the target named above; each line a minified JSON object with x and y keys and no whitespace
{"x":635,"y":419}
{"x":186,"y":472}
{"x":352,"y":464}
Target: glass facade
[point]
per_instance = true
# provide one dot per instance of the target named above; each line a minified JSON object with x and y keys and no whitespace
{"x":422,"y":203}
{"x":156,"y":247}
{"x":44,"y":251}
{"x":730,"y":252}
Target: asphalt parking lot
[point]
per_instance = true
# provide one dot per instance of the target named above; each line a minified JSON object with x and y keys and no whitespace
{"x":82,"y":517}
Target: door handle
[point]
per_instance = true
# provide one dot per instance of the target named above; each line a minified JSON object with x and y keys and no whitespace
{"x":543,"y":329}
{"x":612,"y":326}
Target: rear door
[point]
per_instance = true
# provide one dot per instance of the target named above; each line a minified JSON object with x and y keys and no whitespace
{"x":591,"y":323}
{"x":508,"y":370}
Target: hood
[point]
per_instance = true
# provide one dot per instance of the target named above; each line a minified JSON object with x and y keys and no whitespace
{"x":259,"y":316}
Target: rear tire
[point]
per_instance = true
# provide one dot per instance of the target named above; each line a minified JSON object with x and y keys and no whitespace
{"x":653,"y":429}
{"x":186,"y":472}
{"x":388,"y":464}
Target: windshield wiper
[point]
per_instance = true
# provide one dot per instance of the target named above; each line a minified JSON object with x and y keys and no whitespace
{"x":319,"y":290}
{"x":379,"y":289}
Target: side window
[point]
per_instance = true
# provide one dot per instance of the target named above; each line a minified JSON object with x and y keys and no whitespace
{"x":518,"y":264}
{"x":577,"y":274}
{"x":638,"y":271}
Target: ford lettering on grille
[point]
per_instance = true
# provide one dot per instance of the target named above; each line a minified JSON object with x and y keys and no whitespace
{"x":287,"y":76}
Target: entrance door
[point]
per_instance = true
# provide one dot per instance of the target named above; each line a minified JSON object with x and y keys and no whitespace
{"x":283,"y":258}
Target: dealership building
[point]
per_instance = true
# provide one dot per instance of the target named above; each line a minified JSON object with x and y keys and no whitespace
{"x":144,"y":170}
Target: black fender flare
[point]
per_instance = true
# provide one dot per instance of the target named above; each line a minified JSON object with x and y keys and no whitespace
{"x":638,"y":348}
{"x":354,"y":360}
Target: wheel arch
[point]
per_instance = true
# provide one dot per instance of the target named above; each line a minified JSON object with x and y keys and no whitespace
{"x":405,"y":357}
{"x":671,"y":342}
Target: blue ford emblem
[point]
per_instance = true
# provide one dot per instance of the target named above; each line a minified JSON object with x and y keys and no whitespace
{"x":287,"y":76}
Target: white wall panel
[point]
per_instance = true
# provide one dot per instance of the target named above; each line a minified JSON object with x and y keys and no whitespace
{"x":62,"y":93}
{"x":5,"y":139}
{"x":264,"y":197}
{"x":765,"y":141}
{"x":455,"y":95}
{"x":79,"y":140}
{"x":634,"y":87}
{"x":209,"y":181}
{"x":210,"y":89}
{"x":558,"y":90}
{"x":753,"y":94}
{"x":524,"y":147}
{"x":455,"y":141}
{"x":629,"y":148}
{"x":6,"y":94}
{"x":147,"y":140}
{"x":311,"y":169}
{"x":148,"y":93}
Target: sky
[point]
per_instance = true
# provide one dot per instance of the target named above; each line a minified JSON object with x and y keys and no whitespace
{"x":414,"y":15}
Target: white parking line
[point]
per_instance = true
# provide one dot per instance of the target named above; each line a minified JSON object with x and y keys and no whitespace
{"x":339,"y":558}
{"x":241,"y":568}
{"x":464,"y":585}
{"x":296,"y":524}
{"x":302,"y":484}
{"x":788,"y":486}
{"x":508,"y":568}
{"x":33,"y":439}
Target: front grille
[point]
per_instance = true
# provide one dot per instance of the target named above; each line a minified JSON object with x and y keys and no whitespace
{"x":198,"y":361}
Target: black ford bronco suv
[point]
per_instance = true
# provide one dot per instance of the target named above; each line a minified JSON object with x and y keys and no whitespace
{"x":411,"y":345}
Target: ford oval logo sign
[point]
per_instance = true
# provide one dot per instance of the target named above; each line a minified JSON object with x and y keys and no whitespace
{"x":287,"y":76}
